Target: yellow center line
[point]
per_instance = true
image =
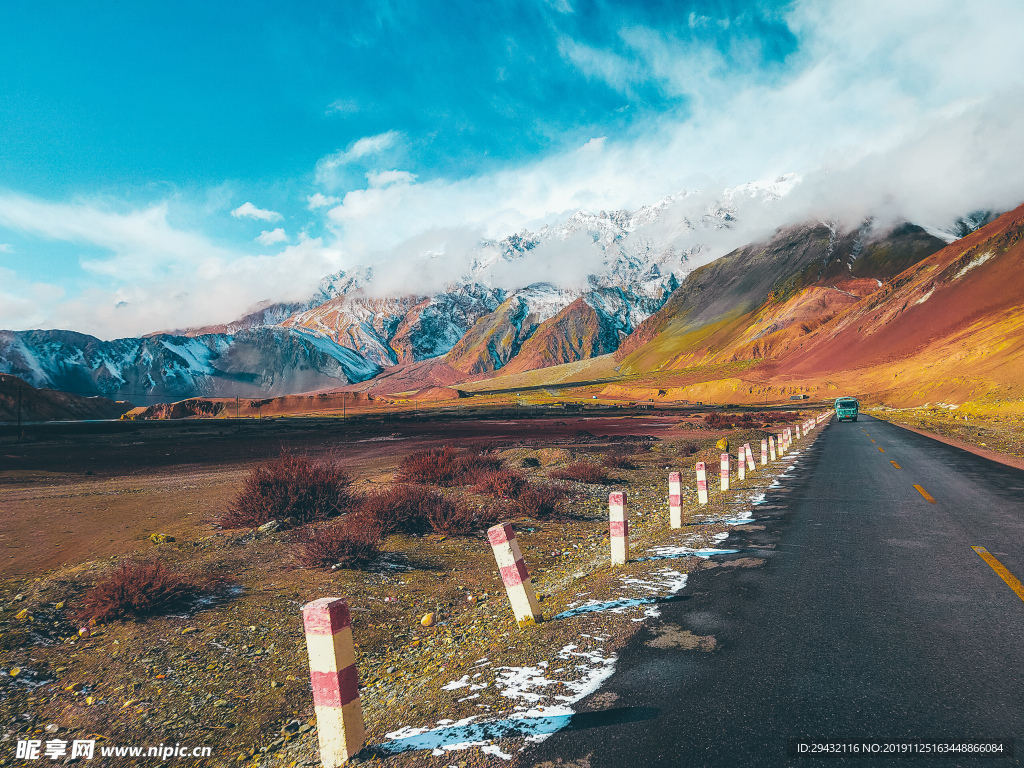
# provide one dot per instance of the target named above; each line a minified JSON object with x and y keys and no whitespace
{"x":880,"y":447}
{"x":872,"y":441}
{"x":927,"y":496}
{"x":1012,"y":581}
{"x":895,"y":464}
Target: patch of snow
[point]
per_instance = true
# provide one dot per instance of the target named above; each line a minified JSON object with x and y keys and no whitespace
{"x":977,"y":261}
{"x":548,"y":707}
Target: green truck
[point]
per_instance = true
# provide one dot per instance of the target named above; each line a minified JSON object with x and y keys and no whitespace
{"x":847,"y":408}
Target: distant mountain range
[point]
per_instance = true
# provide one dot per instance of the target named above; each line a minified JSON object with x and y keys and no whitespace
{"x":640,"y":293}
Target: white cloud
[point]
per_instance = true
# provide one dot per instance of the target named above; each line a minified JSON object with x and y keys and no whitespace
{"x":154,"y":276}
{"x":24,"y":304}
{"x":344,"y":106}
{"x":273,"y":236}
{"x":6,"y":248}
{"x":328,"y":167}
{"x":382,"y":179}
{"x":321,"y":201}
{"x":908,"y":109}
{"x":248,"y":210}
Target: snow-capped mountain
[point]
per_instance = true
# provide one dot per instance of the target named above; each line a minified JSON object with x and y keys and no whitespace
{"x":352,"y":328}
{"x":252,"y":363}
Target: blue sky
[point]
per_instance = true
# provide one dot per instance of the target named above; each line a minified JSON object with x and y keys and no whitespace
{"x":165,"y":165}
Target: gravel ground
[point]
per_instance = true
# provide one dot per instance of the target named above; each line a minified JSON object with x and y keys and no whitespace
{"x":231,"y":673}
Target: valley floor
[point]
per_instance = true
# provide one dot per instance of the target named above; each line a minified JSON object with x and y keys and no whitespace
{"x":232,"y":673}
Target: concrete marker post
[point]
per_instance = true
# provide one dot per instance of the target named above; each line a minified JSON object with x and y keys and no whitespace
{"x":514,"y":575}
{"x":332,"y":671}
{"x":764,"y":453}
{"x":781,"y":444}
{"x":618,"y":527}
{"x":725,"y":471}
{"x":741,"y":466}
{"x":702,"y":483}
{"x":771,"y":447}
{"x":749,"y":456}
{"x":675,"y":500}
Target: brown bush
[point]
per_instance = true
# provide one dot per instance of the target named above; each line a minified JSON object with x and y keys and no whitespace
{"x":415,"y":509}
{"x":445,"y":466}
{"x":618,"y":461}
{"x":136,"y":590}
{"x":500,"y":482}
{"x":348,"y":543}
{"x":582,"y":472}
{"x":540,"y":504}
{"x":290,"y":486}
{"x":780,"y":417}
{"x":716,"y":420}
{"x":688,"y":449}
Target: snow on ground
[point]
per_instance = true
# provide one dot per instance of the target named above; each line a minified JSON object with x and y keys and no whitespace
{"x":544,"y":697}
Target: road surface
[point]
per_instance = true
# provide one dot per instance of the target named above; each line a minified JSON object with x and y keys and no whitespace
{"x":872,"y":619}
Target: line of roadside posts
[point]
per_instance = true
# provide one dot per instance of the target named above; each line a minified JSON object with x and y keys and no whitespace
{"x":328,"y":625}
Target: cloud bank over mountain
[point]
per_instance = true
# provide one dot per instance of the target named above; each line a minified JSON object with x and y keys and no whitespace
{"x":907,"y":110}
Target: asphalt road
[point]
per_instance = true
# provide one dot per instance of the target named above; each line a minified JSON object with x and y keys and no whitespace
{"x":872,"y":618}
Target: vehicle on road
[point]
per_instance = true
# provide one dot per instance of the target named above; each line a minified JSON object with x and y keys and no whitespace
{"x":847,"y":408}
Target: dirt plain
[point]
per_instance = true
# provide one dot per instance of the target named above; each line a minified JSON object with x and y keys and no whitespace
{"x":231,"y":672}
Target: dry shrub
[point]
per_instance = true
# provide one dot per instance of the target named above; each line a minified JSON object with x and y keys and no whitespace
{"x":445,"y":466}
{"x":688,"y":449}
{"x":290,"y":486}
{"x":618,"y":460}
{"x":135,"y":590}
{"x":415,"y":509}
{"x":716,"y":420}
{"x":541,"y":504}
{"x":780,"y":417}
{"x":503,"y":483}
{"x":348,"y":543}
{"x":582,"y":472}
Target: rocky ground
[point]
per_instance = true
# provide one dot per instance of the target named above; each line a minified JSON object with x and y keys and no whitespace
{"x":231,"y":672}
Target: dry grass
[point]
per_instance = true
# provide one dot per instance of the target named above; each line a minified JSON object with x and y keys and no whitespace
{"x":618,"y":461}
{"x":541,"y":504}
{"x":502,"y":483}
{"x":446,"y":466}
{"x":582,"y":472}
{"x":136,"y":590}
{"x":415,"y":509}
{"x":346,"y":543}
{"x":290,"y":487}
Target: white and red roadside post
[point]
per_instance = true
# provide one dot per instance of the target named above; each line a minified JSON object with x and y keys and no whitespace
{"x":675,"y":500}
{"x":514,"y":575}
{"x":764,"y":453}
{"x":749,"y":456}
{"x":741,"y":465}
{"x":618,"y":527}
{"x":796,"y":430}
{"x":725,"y":471}
{"x":771,"y":447}
{"x":702,"y":483}
{"x":332,"y":670}
{"x":781,"y":444}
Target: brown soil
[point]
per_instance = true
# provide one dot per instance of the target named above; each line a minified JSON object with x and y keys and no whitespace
{"x":232,"y":673}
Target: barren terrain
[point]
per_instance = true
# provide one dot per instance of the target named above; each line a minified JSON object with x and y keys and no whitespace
{"x":231,"y":671}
